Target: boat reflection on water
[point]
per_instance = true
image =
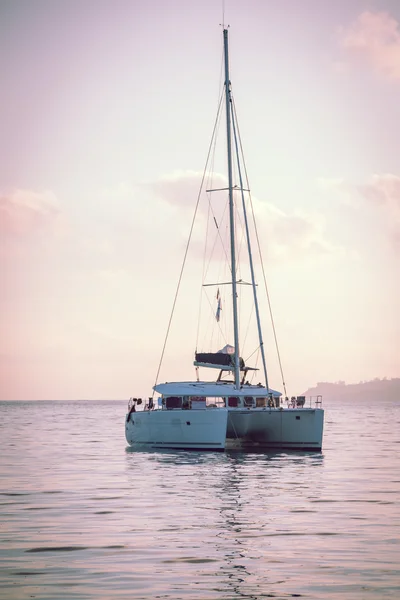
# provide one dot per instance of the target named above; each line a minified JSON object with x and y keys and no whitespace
{"x":235,"y":519}
{"x":255,"y":536}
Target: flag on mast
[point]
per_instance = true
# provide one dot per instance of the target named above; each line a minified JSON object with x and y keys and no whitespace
{"x":219,"y":307}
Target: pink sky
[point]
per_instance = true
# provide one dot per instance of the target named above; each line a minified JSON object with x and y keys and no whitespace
{"x":106,"y":114}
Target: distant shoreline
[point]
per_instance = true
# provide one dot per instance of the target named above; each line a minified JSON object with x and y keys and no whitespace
{"x":389,"y":389}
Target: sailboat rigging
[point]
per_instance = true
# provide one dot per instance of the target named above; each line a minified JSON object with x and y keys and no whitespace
{"x":221,"y":414}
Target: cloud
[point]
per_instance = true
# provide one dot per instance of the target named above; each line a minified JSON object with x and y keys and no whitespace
{"x":159,"y":214}
{"x":284,"y":235}
{"x":32,"y":225}
{"x":382,"y":192}
{"x":374,"y":39}
{"x":292,"y":235}
{"x":181,"y":188}
{"x":134,"y":225}
{"x":379,"y":194}
{"x":23,"y":212}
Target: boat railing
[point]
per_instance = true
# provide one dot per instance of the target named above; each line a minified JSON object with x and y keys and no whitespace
{"x":303,"y":401}
{"x":319,"y":400}
{"x":316,"y":401}
{"x":197,"y":402}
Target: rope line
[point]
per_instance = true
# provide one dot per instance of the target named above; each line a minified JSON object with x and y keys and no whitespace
{"x":260,"y":255}
{"x":187,"y":246}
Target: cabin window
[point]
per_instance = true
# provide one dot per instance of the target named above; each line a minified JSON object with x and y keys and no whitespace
{"x":215,"y":402}
{"x":248,"y":400}
{"x":198,"y":402}
{"x":233,"y":401}
{"x":173,"y":402}
{"x":260,"y":402}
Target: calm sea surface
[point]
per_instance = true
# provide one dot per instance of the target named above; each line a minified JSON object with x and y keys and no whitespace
{"x":82,"y":516}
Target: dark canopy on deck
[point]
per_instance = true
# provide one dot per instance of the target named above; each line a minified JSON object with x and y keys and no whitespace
{"x":218,"y":359}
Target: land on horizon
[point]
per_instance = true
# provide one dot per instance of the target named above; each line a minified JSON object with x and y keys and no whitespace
{"x":389,"y":389}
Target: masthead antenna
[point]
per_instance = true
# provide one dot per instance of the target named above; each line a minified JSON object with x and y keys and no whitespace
{"x":223,"y":16}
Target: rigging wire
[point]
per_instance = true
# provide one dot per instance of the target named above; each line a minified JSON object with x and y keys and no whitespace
{"x":218,"y":228}
{"x":259,"y":251}
{"x":251,"y":264}
{"x":201,"y":287}
{"x":211,"y":218}
{"x":187,"y":245}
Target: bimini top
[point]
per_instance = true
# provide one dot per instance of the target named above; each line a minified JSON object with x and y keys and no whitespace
{"x":218,"y":360}
{"x":212,"y":389}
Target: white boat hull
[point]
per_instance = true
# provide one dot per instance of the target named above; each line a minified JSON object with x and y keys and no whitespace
{"x":220,"y":429}
{"x":280,"y":428}
{"x":178,"y":429}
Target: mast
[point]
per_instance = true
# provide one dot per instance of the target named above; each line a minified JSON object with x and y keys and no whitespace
{"x":231,"y":210}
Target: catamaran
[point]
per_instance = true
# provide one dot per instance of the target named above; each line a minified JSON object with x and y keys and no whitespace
{"x":231,"y":411}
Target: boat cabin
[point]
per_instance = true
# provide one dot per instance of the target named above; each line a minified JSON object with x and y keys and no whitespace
{"x":202,"y":402}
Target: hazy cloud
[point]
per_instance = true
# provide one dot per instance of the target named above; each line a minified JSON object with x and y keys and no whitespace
{"x":291,"y":235}
{"x":283,"y":234}
{"x":383,"y":192}
{"x":380,"y":193}
{"x":23,"y":212}
{"x":374,"y":38}
{"x":181,"y":188}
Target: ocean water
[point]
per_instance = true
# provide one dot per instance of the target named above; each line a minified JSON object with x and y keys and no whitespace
{"x":84,"y":517}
